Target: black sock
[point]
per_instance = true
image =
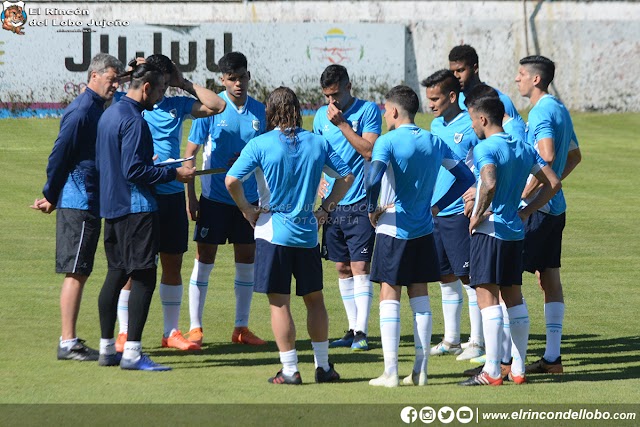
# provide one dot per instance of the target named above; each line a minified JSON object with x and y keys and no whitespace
{"x":143,"y":283}
{"x":108,"y":301}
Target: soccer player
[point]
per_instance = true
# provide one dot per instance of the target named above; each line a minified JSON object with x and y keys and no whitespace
{"x":451,"y":226}
{"x":217,"y":217}
{"x":502,"y":165}
{"x":404,"y":168}
{"x":124,"y":153}
{"x":550,"y":131}
{"x":288,"y":163}
{"x":72,"y":189}
{"x":165,"y":122}
{"x":351,"y":126}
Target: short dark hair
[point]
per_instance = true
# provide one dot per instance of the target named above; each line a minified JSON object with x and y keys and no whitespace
{"x":463,"y":53}
{"x":161,"y":62}
{"x":232,"y":62}
{"x":480,"y":91}
{"x":144,"y":73}
{"x":445,"y":79}
{"x":334,"y":74}
{"x":406,"y":98}
{"x":283,"y":111}
{"x":491,"y":106}
{"x":541,"y":65}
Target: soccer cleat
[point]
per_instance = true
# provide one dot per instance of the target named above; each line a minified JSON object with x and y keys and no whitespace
{"x":345,"y":341}
{"x":176,"y":340}
{"x":544,"y":367}
{"x":360,"y":342}
{"x":472,"y":351}
{"x":281,"y":378}
{"x":504,"y":370}
{"x":329,"y":376}
{"x":79,"y":352}
{"x":516,"y":379}
{"x":444,"y":347}
{"x":385,"y":380}
{"x":481,"y":379}
{"x":242,"y":335}
{"x":110,"y":359}
{"x":122,"y":338}
{"x":416,"y":378}
{"x":195,"y":336}
{"x":480,"y":360}
{"x":144,"y":363}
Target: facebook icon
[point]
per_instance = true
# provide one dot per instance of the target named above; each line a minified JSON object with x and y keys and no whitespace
{"x":408,"y":414}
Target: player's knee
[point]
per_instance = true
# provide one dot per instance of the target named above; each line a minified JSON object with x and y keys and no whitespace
{"x":344,"y":270}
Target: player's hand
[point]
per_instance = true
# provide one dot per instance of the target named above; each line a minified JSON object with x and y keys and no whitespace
{"x":177,"y":79}
{"x":435,"y":210}
{"x":475,"y":220}
{"x":523,"y":214}
{"x":233,"y":159}
{"x":470,"y":194}
{"x":185,"y":174}
{"x":375,"y":215}
{"x":251,"y":214}
{"x":323,"y":188}
{"x":468,"y":208}
{"x":335,"y":115}
{"x":193,"y":208}
{"x":43,"y":205}
{"x":321,"y":216}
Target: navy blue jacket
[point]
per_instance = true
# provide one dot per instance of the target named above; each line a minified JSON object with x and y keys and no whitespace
{"x":72,"y":179}
{"x":124,"y":153}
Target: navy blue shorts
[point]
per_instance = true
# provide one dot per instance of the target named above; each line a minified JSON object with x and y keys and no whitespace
{"x":219,"y":222}
{"x":275,"y":264}
{"x":174,"y":224}
{"x":131,"y":241}
{"x":348,"y":235}
{"x":401,"y":262}
{"x":451,"y":234}
{"x":543,"y":241}
{"x":495,"y":261}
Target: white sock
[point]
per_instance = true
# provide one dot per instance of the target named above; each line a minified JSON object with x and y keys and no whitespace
{"x":390,"y":334}
{"x":506,"y":335}
{"x":123,"y":311}
{"x":554,"y":317}
{"x":243,"y":287}
{"x":321,"y":354}
{"x":198,"y":286}
{"x":132,"y":350}
{"x":289,"y":360}
{"x":452,"y":309}
{"x":348,"y":299}
{"x":422,"y":325}
{"x":475,"y":317}
{"x":171,"y":298}
{"x":67,"y":344}
{"x":519,"y":320}
{"x":492,"y":328}
{"x":107,"y":346}
{"x":363,"y":295}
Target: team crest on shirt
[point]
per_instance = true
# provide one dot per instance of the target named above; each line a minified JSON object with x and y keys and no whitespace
{"x":256,"y":125}
{"x":457,"y":137}
{"x":204,"y":231}
{"x":174,"y":113}
{"x":354,"y":125}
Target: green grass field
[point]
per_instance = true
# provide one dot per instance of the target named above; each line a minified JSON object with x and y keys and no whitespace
{"x":601,"y":348}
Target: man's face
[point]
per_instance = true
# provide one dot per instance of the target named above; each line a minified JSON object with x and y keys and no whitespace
{"x":476,"y":123}
{"x":524,"y":80}
{"x":463,"y":72}
{"x":337,"y":94}
{"x":105,"y":84}
{"x":237,"y":82}
{"x":439,"y":102}
{"x":389,"y":110}
{"x":153,"y":93}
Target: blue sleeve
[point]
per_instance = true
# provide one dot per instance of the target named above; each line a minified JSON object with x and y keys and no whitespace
{"x":335,"y":167}
{"x":246,"y":163}
{"x":379,"y":161}
{"x":463,"y":179}
{"x":509,"y":108}
{"x":482,"y":157}
{"x":372,"y":119}
{"x":316,"y":123}
{"x":60,"y":159}
{"x":137,"y":154}
{"x":540,"y":125}
{"x":200,"y":130}
{"x":186,"y":105}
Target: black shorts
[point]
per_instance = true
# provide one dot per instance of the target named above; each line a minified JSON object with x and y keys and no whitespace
{"x":401,"y":262}
{"x":495,"y":261}
{"x":543,"y":241}
{"x":131,"y":241}
{"x":451,"y":234}
{"x":348,"y":234}
{"x":77,"y":235}
{"x":219,"y":222}
{"x":275,"y":264}
{"x":174,"y":224}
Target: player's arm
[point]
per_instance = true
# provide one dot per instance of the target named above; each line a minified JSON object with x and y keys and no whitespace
{"x":574,"y":157}
{"x":546,"y":149}
{"x":550,"y":186}
{"x":193,"y":205}
{"x":464,"y":180}
{"x":484,"y":194}
{"x":362,"y":144}
{"x":373,"y":184}
{"x":241,"y":170}
{"x":336,"y":168}
{"x":208,"y":103}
